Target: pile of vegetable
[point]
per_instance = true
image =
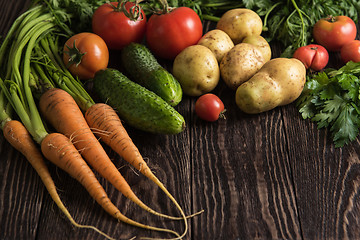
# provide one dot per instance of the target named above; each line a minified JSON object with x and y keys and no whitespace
{"x":44,"y":88}
{"x":236,"y":53}
{"x":46,"y":58}
{"x":289,"y":23}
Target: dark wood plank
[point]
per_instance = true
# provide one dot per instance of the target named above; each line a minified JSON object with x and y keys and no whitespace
{"x":9,"y":12}
{"x":21,"y":195}
{"x":242,"y":177}
{"x":265,"y":176}
{"x":327,"y":181}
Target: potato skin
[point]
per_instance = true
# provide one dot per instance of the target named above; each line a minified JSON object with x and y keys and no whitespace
{"x":240,"y":64}
{"x":197,"y":70}
{"x":239,"y":23}
{"x":261,"y":43}
{"x":218,"y":42}
{"x":279,"y":82}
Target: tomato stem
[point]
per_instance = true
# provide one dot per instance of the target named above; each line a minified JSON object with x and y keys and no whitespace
{"x":165,"y":6}
{"x":331,"y":19}
{"x":75,"y":56}
{"x":222,"y":114}
{"x":134,"y":13}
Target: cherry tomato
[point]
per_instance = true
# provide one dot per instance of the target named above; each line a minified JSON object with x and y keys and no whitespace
{"x":334,"y":32}
{"x":209,"y":107}
{"x":167,"y":34}
{"x":351,"y":51}
{"x":119,"y":24}
{"x":84,"y":54}
{"x":313,"y":56}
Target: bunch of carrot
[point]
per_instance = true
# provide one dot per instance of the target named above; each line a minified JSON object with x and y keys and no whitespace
{"x":32,"y":66}
{"x":19,"y":137}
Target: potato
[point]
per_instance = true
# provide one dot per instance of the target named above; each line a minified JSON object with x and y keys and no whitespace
{"x":218,"y":42}
{"x":279,"y":82}
{"x":261,"y":43}
{"x":239,"y":23}
{"x":197,"y":70}
{"x":240,"y":64}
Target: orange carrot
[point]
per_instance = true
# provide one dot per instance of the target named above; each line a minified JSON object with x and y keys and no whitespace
{"x":102,"y":117}
{"x":18,"y":136}
{"x":59,"y":149}
{"x":61,"y":110}
{"x":107,"y":125}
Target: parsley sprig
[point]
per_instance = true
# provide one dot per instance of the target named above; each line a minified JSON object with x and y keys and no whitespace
{"x":77,"y":13}
{"x":332,"y":100}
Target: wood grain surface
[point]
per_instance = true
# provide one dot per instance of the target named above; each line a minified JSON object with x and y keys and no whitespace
{"x":266,"y":176}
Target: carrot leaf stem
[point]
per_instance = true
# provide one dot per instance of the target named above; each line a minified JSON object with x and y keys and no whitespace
{"x":4,"y":110}
{"x":61,"y":75}
{"x":14,"y":27}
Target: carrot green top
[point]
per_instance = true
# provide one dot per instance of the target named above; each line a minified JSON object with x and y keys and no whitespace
{"x":30,"y":64}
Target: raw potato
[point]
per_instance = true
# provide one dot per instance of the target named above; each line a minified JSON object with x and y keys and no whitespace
{"x":239,"y":23}
{"x":218,"y":42}
{"x":279,"y":82}
{"x":197,"y":70}
{"x":240,"y":64}
{"x":261,"y":43}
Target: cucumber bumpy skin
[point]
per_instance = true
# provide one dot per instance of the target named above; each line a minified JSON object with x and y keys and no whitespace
{"x":136,"y":105}
{"x":142,"y":67}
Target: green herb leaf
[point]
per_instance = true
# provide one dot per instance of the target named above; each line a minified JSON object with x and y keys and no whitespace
{"x":346,"y":127}
{"x":331,"y":99}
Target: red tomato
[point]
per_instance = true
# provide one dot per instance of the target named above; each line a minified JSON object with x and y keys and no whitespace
{"x":313,"y":56}
{"x":117,"y":29}
{"x":209,"y":107}
{"x":351,"y":51}
{"x":334,"y":32}
{"x":85,"y":54}
{"x":169,"y":33}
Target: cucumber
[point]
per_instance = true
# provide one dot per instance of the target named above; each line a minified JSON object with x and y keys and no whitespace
{"x":136,"y":105}
{"x":142,"y":67}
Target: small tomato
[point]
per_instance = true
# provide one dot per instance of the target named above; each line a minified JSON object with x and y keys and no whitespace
{"x":119,"y":24}
{"x":84,"y":54}
{"x":209,"y":107}
{"x":313,"y":56}
{"x":167,"y":34}
{"x":351,"y":51}
{"x":334,"y":32}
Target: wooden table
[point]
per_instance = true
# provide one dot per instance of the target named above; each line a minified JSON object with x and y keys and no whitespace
{"x":265,"y":176}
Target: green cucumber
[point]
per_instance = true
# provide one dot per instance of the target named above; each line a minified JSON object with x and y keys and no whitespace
{"x":142,"y":67}
{"x":136,"y":105}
